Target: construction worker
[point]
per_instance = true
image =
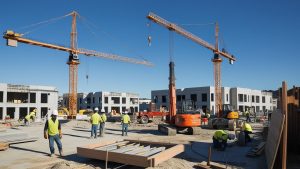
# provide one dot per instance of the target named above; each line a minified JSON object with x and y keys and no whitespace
{"x":52,"y":131}
{"x":29,"y":116}
{"x":103,"y":119}
{"x":247,"y":115}
{"x":95,"y":122}
{"x":125,"y":122}
{"x":220,"y":139}
{"x":247,"y":130}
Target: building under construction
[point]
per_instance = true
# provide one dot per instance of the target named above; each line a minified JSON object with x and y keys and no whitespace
{"x":16,"y":101}
{"x":110,"y":101}
{"x":204,"y":97}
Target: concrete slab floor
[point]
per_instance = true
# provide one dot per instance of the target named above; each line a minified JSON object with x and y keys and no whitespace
{"x":36,"y":154}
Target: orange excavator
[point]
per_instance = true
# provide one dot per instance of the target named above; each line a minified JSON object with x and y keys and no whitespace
{"x":187,"y":117}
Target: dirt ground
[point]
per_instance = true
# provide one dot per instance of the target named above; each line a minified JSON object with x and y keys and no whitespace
{"x":35,"y":155}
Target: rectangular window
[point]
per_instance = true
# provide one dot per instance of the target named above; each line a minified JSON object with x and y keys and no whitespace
{"x":116,"y":100}
{"x":257,"y":108}
{"x":183,"y":97}
{"x":23,"y":111}
{"x":227,"y":98}
{"x":123,"y":100}
{"x":253,"y":100}
{"x":32,"y":97}
{"x":264,"y":108}
{"x":204,"y":97}
{"x":178,"y":98}
{"x":99,"y":99}
{"x":212,"y":97}
{"x":88,"y":100}
{"x":241,"y":108}
{"x":123,"y":109}
{"x":44,"y":97}
{"x":245,"y":98}
{"x":257,"y":99}
{"x":44,"y":111}
{"x":106,"y":100}
{"x":194,"y":97}
{"x":80,"y":101}
{"x":164,"y":99}
{"x":1,"y":113}
{"x":240,"y":97}
{"x":263,"y":99}
{"x":136,"y":109}
{"x":1,"y":96}
{"x":93,"y":99}
{"x":10,"y":111}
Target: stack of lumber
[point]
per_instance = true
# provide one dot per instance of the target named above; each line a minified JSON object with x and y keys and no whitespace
{"x":132,"y":152}
{"x":257,"y":150}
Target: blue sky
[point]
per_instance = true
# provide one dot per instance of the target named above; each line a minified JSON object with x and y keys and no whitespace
{"x":263,"y":35}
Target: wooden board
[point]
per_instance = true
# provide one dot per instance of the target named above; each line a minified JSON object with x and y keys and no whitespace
{"x":143,"y":157}
{"x":274,"y":137}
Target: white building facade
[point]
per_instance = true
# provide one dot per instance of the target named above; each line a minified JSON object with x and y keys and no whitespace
{"x":204,"y":97}
{"x":16,"y":101}
{"x":117,"y":101}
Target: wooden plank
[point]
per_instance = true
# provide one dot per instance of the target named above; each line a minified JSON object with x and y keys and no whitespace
{"x":151,"y":142}
{"x":213,"y":165}
{"x":285,"y":127}
{"x":106,"y":144}
{"x":126,"y":148}
{"x":154,"y":151}
{"x":167,"y":154}
{"x":274,"y":136}
{"x":112,"y":156}
{"x":139,"y":151}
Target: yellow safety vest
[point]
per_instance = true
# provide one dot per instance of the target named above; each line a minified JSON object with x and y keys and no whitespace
{"x":247,"y":127}
{"x":221,"y":135}
{"x":52,"y":127}
{"x":27,"y":117}
{"x":103,"y":117}
{"x":32,"y":114}
{"x":125,"y":119}
{"x":95,"y":118}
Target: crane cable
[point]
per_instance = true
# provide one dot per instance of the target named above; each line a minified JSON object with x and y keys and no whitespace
{"x":39,"y":24}
{"x":89,"y":25}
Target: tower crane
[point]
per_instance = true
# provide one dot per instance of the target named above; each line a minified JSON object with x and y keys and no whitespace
{"x":217,"y":53}
{"x":13,"y":38}
{"x":192,"y":119}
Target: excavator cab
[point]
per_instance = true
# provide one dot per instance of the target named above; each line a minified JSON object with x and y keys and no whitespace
{"x":187,"y":115}
{"x":229,"y":113}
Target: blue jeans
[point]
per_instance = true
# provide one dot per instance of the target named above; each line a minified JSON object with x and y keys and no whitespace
{"x":124,"y":128}
{"x":101,"y":129}
{"x":51,"y":143}
{"x":94,"y":130}
{"x":219,"y":145}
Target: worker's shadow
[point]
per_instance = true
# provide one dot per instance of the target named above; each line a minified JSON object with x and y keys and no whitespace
{"x":27,"y":149}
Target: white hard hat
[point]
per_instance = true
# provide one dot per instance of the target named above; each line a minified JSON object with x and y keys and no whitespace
{"x":96,"y":109}
{"x":102,"y":110}
{"x":126,"y":112}
{"x":55,"y":112}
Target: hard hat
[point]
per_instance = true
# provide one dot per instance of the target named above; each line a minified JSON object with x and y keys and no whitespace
{"x":34,"y":110}
{"x":102,"y":110}
{"x":55,"y":112}
{"x":96,"y":109}
{"x":126,"y":112}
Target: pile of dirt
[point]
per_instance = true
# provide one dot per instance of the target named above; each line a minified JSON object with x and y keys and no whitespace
{"x":174,"y":163}
{"x":61,"y":165}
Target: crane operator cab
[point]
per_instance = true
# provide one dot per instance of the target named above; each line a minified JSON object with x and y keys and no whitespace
{"x":188,"y":117}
